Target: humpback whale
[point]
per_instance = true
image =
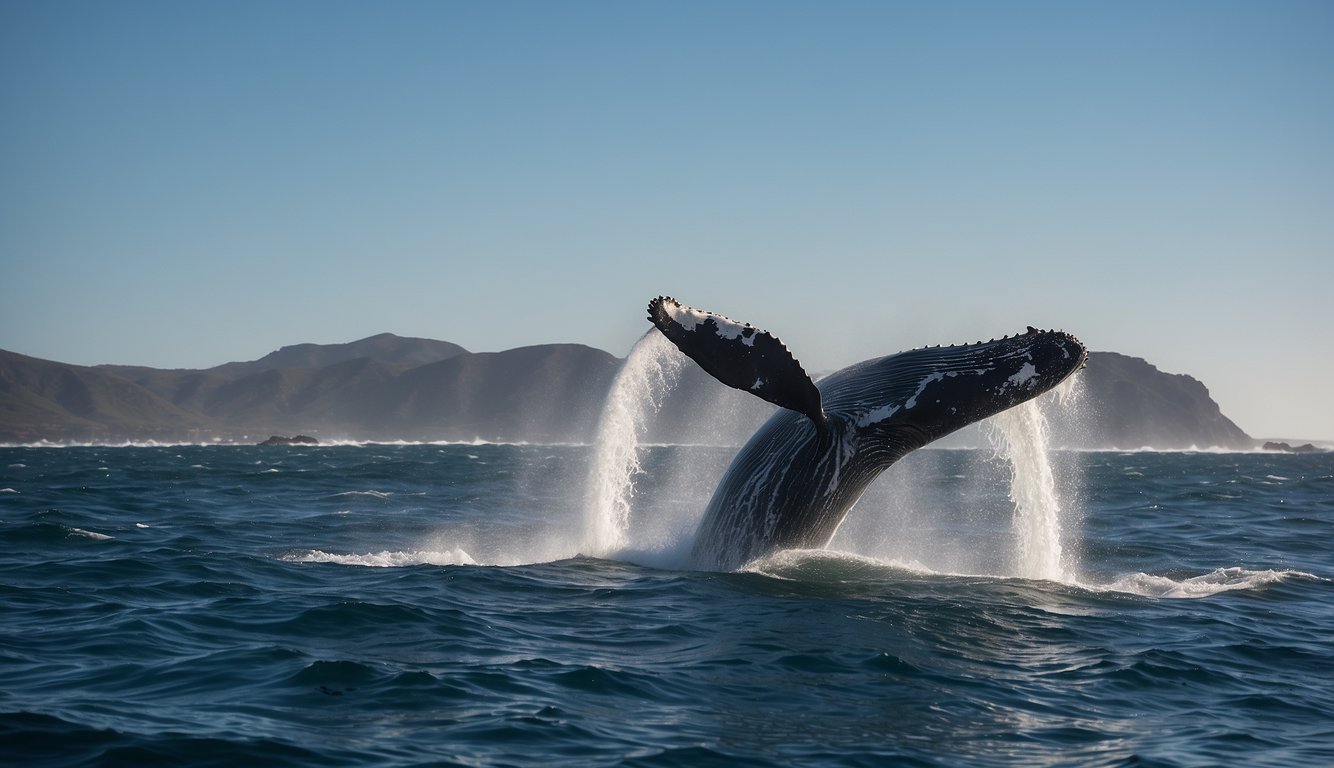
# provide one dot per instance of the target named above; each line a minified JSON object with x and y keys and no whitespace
{"x":793,"y":482}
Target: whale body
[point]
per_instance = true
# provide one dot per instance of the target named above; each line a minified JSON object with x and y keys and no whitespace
{"x":794,"y":481}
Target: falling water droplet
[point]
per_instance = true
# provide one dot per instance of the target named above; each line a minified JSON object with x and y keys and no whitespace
{"x":648,"y":374}
{"x":1021,"y":436}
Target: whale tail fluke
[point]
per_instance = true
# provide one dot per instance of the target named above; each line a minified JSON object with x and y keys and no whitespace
{"x":739,"y":355}
{"x":790,"y":487}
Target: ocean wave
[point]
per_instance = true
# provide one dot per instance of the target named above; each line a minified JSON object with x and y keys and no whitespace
{"x":477,"y":441}
{"x":825,"y":565}
{"x":323,"y":443}
{"x":383,"y":559}
{"x":1205,"y":585}
{"x":94,"y":535}
{"x":817,"y":564}
{"x":370,"y":494}
{"x":35,"y":738}
{"x":234,"y":631}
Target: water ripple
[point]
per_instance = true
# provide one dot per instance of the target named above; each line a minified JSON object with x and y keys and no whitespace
{"x":324,"y":615}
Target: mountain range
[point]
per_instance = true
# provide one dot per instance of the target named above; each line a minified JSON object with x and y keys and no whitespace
{"x":388,"y":387}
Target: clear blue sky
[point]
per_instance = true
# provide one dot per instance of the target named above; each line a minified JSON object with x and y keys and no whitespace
{"x":188,"y":183}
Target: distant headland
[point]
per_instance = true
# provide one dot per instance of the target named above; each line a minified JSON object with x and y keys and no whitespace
{"x":1289,"y":448}
{"x":390,"y":388}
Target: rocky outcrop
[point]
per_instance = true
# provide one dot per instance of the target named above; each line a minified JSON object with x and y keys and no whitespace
{"x":1125,"y":402}
{"x":1289,"y":448}
{"x":294,"y":440}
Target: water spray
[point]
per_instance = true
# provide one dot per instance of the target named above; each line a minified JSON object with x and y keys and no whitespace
{"x":648,"y":374}
{"x":1021,"y":436}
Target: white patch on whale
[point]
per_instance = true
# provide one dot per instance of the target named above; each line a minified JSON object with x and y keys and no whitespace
{"x":1025,"y":374}
{"x":690,"y":318}
{"x":912,"y":401}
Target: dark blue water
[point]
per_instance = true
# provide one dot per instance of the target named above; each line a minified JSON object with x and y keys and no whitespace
{"x":314,"y":606}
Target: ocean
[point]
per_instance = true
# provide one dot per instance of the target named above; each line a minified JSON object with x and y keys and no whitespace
{"x":437,"y":604}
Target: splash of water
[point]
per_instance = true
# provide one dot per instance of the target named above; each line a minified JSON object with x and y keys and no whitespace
{"x":648,"y":374}
{"x":1021,"y":436}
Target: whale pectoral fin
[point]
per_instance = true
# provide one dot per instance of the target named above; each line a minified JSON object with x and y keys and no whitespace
{"x":739,"y":355}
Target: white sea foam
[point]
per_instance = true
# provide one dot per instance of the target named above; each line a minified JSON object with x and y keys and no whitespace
{"x":372,"y":494}
{"x":1205,"y":585}
{"x":797,"y":564}
{"x":383,"y":559}
{"x":787,"y":561}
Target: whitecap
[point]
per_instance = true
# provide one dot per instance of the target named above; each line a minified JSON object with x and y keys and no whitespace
{"x":8,"y":490}
{"x":800,"y":564}
{"x":1205,"y":585}
{"x":803,"y":564}
{"x":384,"y":559}
{"x":372,"y":494}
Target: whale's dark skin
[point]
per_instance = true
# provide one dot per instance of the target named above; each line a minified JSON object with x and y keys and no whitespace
{"x":792,"y":484}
